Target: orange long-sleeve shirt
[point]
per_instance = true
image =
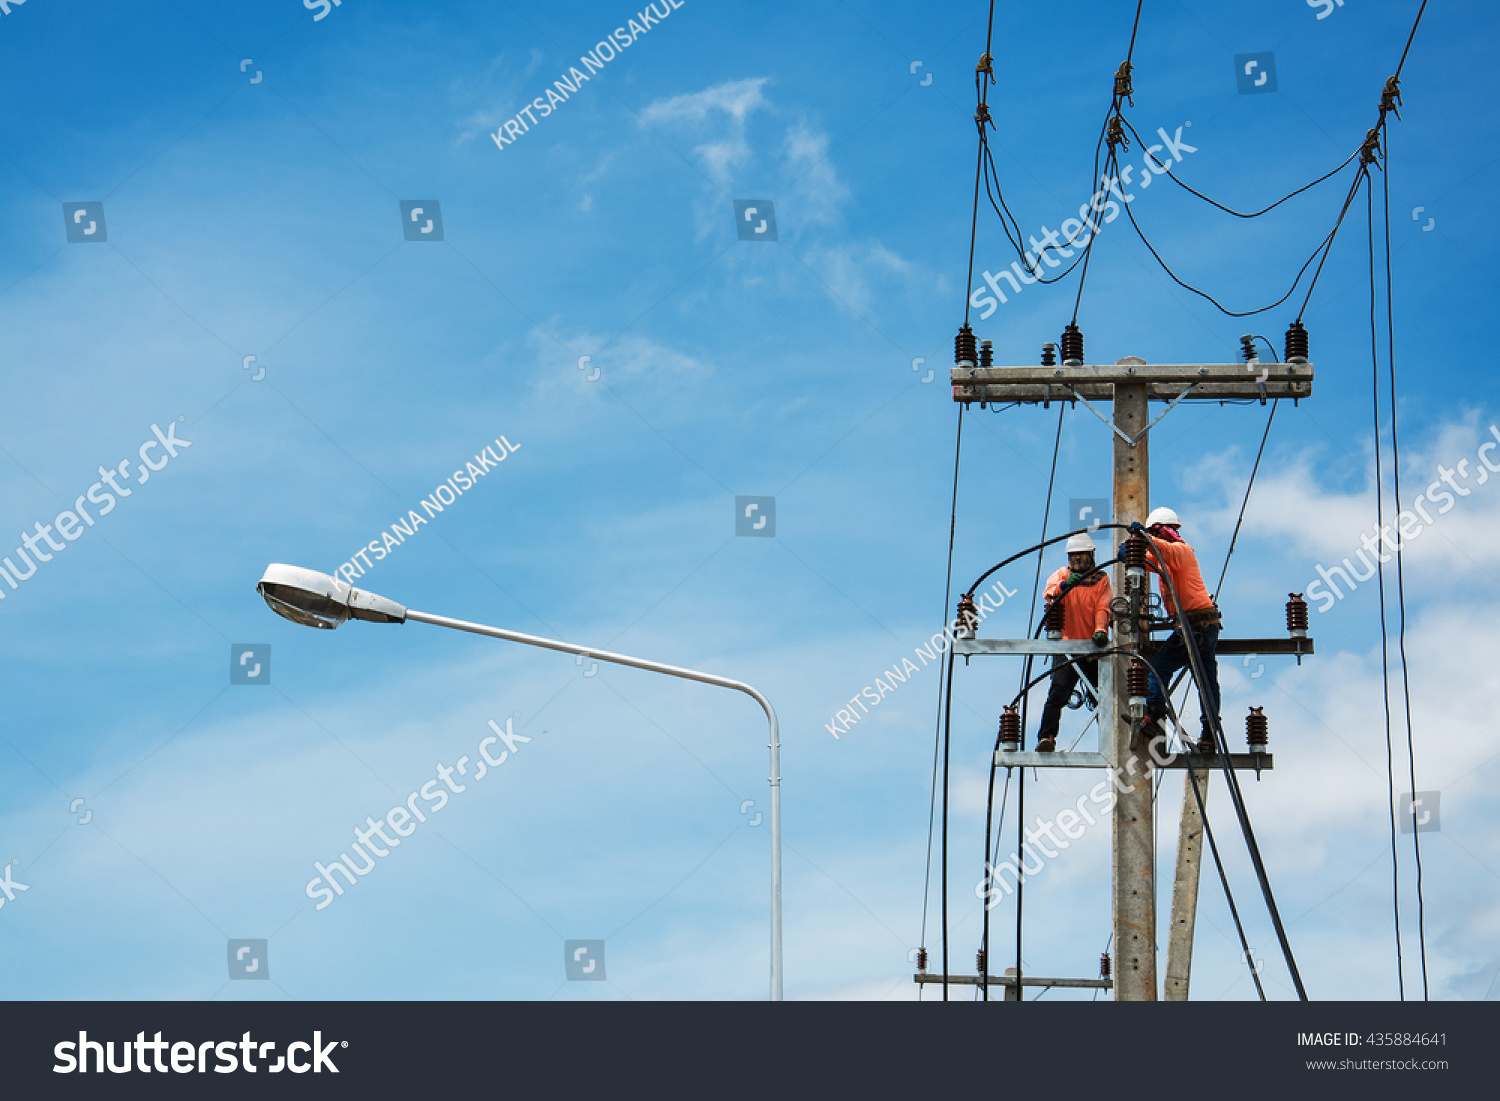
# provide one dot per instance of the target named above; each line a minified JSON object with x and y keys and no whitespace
{"x":1182,"y":566}
{"x":1085,"y":607}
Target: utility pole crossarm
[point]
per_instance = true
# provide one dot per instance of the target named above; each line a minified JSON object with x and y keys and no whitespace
{"x":1163,"y":382}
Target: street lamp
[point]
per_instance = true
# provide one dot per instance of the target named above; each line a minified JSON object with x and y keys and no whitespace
{"x":319,"y":600}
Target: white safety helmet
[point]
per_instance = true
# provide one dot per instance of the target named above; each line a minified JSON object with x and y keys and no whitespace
{"x":1163,"y":516}
{"x":1080,"y":544}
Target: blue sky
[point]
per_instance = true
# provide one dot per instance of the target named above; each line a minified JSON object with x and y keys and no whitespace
{"x":263,"y":219}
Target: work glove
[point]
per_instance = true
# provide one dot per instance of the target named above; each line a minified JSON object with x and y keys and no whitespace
{"x":1074,"y":579}
{"x":1137,"y":527}
{"x":1101,"y":638}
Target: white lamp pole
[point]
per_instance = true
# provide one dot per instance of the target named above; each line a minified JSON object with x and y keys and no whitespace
{"x":319,"y":600}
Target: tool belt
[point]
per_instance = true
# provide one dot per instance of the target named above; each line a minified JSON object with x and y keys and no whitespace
{"x":1200,"y":618}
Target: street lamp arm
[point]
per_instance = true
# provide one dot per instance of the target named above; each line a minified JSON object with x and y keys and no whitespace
{"x":597,"y":655}
{"x":671,"y":671}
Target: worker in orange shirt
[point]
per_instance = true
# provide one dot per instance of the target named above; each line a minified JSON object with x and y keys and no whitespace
{"x":1202,"y":616}
{"x":1085,"y":594}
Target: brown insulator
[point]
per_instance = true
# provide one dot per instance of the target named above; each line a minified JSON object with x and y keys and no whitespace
{"x":1296,"y":616}
{"x":1105,"y":969}
{"x":1072,"y":346}
{"x":964,"y":354}
{"x":979,"y":961}
{"x":1133,"y":553}
{"x":1136,"y":680}
{"x":1256,"y":730}
{"x":1052,"y":618}
{"x":1010,"y":727}
{"x":1296,"y":343}
{"x":922,"y":960}
{"x":968,"y":616}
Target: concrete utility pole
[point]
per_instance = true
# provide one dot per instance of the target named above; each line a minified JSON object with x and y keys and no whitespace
{"x":1134,"y":861}
{"x":1131,"y":384}
{"x":1185,"y":888}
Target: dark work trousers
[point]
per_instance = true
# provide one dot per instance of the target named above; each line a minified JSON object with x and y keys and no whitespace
{"x":1173,"y":656}
{"x":1064,"y":680}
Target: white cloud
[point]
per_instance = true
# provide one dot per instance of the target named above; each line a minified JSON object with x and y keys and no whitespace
{"x":497,"y":93}
{"x":1293,"y":503}
{"x":818,"y":193}
{"x":848,"y":271}
{"x":727,"y":107}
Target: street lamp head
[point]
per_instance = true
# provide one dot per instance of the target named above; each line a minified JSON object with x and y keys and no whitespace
{"x":320,"y":600}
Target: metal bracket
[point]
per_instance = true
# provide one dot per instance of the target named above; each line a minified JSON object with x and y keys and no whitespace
{"x":1131,"y":441}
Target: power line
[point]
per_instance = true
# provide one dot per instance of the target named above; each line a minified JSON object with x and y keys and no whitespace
{"x":981,"y":116}
{"x":1324,"y":247}
{"x":1221,"y":747}
{"x":1385,"y":672}
{"x":1411,"y":761}
{"x":1219,"y":585}
{"x":958,"y":444}
{"x":1239,"y":214}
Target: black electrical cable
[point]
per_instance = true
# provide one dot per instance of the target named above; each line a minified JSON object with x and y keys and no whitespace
{"x":1198,"y":795}
{"x":1362,"y":177}
{"x":1020,"y":879}
{"x":1110,"y":161}
{"x":1385,"y":671}
{"x":982,"y":89}
{"x":974,"y":230}
{"x":1044,"y":543}
{"x":1034,"y":265}
{"x":978,"y":172}
{"x":1223,"y":879}
{"x":1323,"y":247}
{"x":1219,"y":586}
{"x":958,"y":444}
{"x":1213,"y":846}
{"x":1221,"y":746}
{"x":990,"y":793}
{"x":1227,"y":210}
{"x":1021,"y":784}
{"x":1390,"y":353}
{"x":1415,"y":24}
{"x":1012,"y":226}
{"x":947,"y":728}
